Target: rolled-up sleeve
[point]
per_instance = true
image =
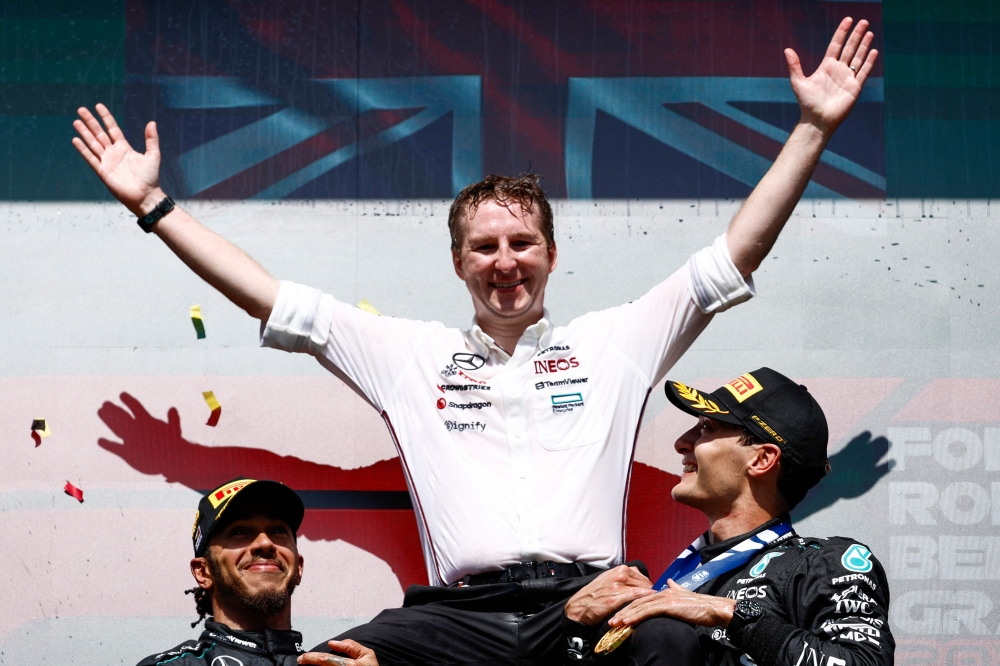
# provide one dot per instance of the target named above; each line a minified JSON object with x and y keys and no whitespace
{"x":298,"y":322}
{"x":366,"y":350}
{"x":715,"y":283}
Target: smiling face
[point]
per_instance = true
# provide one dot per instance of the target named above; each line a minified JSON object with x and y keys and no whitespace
{"x":505,"y":262}
{"x":252,"y":567}
{"x":715,"y":467}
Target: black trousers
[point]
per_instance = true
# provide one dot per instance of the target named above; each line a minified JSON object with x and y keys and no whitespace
{"x":509,"y":623}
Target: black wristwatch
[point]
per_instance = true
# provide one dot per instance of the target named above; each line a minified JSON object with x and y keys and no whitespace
{"x":146,"y":222}
{"x":744,"y":614}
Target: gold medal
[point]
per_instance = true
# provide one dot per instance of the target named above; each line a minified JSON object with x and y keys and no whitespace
{"x":613,"y":638}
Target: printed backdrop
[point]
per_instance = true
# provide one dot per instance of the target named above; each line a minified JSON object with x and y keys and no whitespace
{"x":326,"y":139}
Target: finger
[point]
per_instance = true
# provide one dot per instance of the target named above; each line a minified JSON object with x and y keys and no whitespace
{"x":794,"y":65}
{"x":839,"y":37}
{"x":351,"y":648}
{"x":852,"y":42}
{"x":867,"y":67}
{"x":174,"y":421}
{"x":859,"y":57}
{"x":109,"y":121}
{"x":95,"y":127}
{"x":95,"y":146}
{"x":638,"y":576}
{"x":86,"y":153}
{"x":324,"y":659}
{"x":152,"y":138}
{"x":134,"y":406}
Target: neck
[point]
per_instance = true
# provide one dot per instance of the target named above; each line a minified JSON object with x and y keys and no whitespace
{"x":739,"y":521}
{"x":240,"y":619}
{"x":506,"y":333}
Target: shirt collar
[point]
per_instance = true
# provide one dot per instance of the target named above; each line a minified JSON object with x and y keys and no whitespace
{"x":270,"y":641}
{"x":539,"y":333}
{"x":714,"y":550}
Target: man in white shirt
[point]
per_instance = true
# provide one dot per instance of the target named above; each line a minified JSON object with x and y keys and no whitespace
{"x":516,"y":436}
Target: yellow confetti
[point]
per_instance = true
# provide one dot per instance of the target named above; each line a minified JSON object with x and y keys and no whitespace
{"x":213,"y":402}
{"x":365,"y":306}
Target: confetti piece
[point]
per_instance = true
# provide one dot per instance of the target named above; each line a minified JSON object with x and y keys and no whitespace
{"x":73,"y":491}
{"x":215,"y":406}
{"x":365,"y":306}
{"x":40,"y":427}
{"x":199,"y":323}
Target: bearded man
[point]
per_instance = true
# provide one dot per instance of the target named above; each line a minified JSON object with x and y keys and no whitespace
{"x":247,"y":565}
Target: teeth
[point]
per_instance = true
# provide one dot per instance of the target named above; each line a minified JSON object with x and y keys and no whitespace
{"x":690,"y":468}
{"x":505,"y":285}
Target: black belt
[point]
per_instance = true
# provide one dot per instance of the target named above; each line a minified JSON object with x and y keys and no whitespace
{"x":529,"y":571}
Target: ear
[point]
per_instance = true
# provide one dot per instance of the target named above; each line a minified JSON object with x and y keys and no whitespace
{"x":202,"y":573}
{"x":764,"y":461}
{"x":456,"y":261}
{"x":553,"y":257}
{"x":298,"y":570}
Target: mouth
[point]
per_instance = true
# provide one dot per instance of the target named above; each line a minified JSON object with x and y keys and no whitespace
{"x":513,"y":284}
{"x":690,"y":468}
{"x":265,"y":566}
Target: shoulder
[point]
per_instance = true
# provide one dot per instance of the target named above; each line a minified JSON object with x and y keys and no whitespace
{"x":188,"y":652}
{"x":841,"y":560}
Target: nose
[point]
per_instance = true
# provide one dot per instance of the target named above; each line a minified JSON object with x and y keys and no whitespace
{"x":262,"y":544}
{"x":505,"y":258}
{"x":687,"y":441}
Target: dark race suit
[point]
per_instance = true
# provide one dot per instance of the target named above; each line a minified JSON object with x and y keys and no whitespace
{"x":825,"y":601}
{"x":221,"y":646}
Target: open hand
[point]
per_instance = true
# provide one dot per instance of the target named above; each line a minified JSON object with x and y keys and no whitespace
{"x":828,"y":95}
{"x":611,"y":590}
{"x":681,"y":604}
{"x":131,"y":177}
{"x":359,"y":655}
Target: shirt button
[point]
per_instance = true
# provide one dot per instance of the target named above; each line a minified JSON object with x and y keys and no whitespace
{"x":523,"y":475}
{"x":518,"y":434}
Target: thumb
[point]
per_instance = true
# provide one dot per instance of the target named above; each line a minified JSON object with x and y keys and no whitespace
{"x":152,"y":138}
{"x":794,"y":65}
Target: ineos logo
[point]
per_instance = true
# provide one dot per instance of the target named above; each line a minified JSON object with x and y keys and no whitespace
{"x":468,"y":361}
{"x":226,"y":660}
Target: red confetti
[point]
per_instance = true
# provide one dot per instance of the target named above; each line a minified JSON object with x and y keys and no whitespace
{"x":37,"y":438}
{"x":213,"y":419}
{"x":73,"y":491}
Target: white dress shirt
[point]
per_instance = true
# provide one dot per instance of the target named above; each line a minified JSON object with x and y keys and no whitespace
{"x":514,"y":457}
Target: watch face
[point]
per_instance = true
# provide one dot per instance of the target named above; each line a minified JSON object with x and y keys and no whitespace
{"x":750,"y":610}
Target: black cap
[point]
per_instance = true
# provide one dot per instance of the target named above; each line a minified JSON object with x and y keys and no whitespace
{"x":771,"y":406}
{"x":284,"y":502}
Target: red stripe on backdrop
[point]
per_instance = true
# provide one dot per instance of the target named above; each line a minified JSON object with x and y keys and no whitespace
{"x":825,"y":175}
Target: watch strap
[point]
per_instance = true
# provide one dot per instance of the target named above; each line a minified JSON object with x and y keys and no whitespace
{"x":147,"y":221}
{"x":745,"y":614}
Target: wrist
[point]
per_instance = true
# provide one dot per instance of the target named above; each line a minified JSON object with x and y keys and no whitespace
{"x":146,"y":206}
{"x":815,"y":128}
{"x":724,"y":612}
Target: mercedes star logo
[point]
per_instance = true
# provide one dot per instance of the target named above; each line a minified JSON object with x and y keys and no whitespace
{"x":468,"y":361}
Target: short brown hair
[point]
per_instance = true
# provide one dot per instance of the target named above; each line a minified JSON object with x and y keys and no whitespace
{"x":504,"y":190}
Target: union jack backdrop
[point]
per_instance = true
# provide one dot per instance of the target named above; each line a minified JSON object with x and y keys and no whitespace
{"x":416,"y":99}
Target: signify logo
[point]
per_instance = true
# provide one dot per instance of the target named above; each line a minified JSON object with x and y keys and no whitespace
{"x":457,"y":426}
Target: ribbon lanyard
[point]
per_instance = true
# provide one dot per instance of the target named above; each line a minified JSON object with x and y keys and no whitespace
{"x":688,"y":572}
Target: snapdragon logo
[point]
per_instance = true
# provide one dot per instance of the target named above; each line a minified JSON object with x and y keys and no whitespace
{"x":458,"y":426}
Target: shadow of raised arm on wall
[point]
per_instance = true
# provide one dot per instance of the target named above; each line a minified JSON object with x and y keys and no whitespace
{"x":855,"y":470}
{"x":368,"y":507}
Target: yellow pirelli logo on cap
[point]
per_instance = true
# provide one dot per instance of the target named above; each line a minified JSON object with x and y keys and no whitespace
{"x":227,"y":491}
{"x":743,"y":387}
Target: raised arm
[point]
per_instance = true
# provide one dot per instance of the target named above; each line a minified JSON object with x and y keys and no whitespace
{"x":825,"y":98}
{"x":134,"y":178}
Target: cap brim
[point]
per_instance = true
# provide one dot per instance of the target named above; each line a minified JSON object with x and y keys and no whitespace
{"x":285,"y":502}
{"x":698,"y":403}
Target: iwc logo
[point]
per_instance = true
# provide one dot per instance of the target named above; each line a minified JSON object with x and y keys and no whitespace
{"x":856,"y":557}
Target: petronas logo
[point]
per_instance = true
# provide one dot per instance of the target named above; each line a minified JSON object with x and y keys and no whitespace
{"x":758,"y":569}
{"x":856,"y":557}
